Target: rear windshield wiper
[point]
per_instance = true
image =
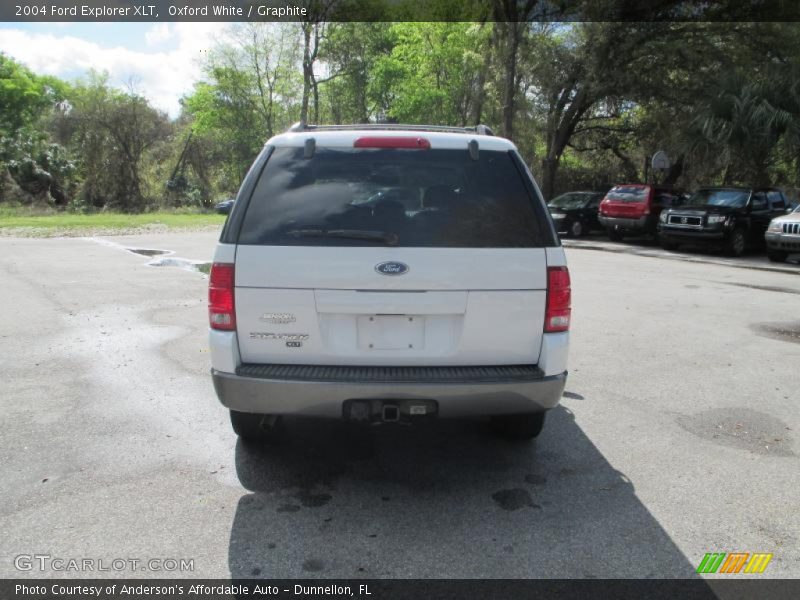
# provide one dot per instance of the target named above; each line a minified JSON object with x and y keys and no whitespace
{"x":390,"y":239}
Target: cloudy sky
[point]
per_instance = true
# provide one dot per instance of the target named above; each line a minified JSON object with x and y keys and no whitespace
{"x":163,"y":59}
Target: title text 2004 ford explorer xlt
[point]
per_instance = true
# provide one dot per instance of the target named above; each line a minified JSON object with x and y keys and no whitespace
{"x":389,"y":273}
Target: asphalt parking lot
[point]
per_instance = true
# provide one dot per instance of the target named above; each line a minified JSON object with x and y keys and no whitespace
{"x":677,"y":436}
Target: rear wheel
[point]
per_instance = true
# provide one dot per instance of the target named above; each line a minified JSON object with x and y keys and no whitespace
{"x":735,"y":244}
{"x":777,"y":256}
{"x":576,"y":229}
{"x":615,"y":235}
{"x":519,"y":427}
{"x":254,"y":427}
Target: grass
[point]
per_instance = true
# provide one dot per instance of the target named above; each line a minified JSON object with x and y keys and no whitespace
{"x":22,"y":222}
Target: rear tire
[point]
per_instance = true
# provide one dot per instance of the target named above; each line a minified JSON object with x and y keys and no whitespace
{"x":576,"y":230}
{"x":735,"y":244}
{"x":519,"y":427}
{"x":777,"y":256}
{"x":253,"y":427}
{"x":614,"y":235}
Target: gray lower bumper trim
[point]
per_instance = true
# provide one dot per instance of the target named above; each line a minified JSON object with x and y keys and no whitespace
{"x":354,"y":374}
{"x":322,"y":398}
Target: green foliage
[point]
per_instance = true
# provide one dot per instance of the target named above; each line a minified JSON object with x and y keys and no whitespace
{"x":15,"y":220}
{"x":36,"y":168}
{"x":250,"y":92}
{"x":24,"y":96}
{"x":431,"y":73}
{"x":746,"y":119}
{"x":351,"y":92}
{"x":41,"y":168}
{"x":114,"y":130}
{"x":587,"y":104}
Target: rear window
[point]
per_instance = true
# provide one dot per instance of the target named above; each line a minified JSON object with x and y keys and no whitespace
{"x":570,"y":201}
{"x":730,"y":198}
{"x":628,"y":193}
{"x":369,"y":197}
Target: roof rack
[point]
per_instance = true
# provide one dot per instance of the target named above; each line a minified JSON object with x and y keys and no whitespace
{"x":478,"y":129}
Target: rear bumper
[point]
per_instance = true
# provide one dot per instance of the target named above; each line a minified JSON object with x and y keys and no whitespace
{"x":326,"y":398}
{"x":562,"y":225}
{"x":692,"y":235}
{"x":645,"y":223}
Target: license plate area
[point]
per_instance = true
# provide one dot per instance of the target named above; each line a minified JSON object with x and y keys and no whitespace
{"x":390,"y":332}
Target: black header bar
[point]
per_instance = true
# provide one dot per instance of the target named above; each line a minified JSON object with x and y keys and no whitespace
{"x":399,"y":589}
{"x":398,"y":10}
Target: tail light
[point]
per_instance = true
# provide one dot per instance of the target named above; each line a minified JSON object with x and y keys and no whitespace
{"x":651,"y":197}
{"x":221,"y":310}
{"x":559,"y":300}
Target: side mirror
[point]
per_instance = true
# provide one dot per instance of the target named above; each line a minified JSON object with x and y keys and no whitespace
{"x":789,"y":209}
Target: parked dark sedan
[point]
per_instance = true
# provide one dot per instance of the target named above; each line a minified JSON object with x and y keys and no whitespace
{"x":575,"y":213}
{"x":225,"y":206}
{"x":730,"y":217}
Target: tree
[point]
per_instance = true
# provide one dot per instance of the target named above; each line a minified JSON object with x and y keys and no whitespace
{"x":24,"y":96}
{"x":313,"y":32}
{"x":114,"y":130}
{"x":39,"y":168}
{"x":251,"y":90}
{"x":511,"y":21}
{"x":432,"y":73}
{"x":745,"y":120}
{"x":349,"y":55}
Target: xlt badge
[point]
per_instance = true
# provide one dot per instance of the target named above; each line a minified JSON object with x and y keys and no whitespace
{"x":277,"y":318}
{"x":288,"y":337}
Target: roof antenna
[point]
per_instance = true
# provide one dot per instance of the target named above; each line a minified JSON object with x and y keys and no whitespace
{"x":309,"y":147}
{"x":473,"y":149}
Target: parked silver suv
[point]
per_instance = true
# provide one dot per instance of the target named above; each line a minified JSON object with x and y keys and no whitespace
{"x":783,"y":236}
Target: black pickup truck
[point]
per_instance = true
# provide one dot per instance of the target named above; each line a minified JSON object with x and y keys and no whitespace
{"x":730,"y":217}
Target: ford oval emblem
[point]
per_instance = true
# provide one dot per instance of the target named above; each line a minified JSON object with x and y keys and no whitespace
{"x":391,"y":268}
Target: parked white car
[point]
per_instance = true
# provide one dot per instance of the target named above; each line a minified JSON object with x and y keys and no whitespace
{"x":389,"y":273}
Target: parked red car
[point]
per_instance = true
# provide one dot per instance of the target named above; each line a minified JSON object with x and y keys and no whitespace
{"x":633,"y":208}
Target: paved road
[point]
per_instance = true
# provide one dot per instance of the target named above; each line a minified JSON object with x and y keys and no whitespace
{"x":678,"y":434}
{"x":706,"y":255}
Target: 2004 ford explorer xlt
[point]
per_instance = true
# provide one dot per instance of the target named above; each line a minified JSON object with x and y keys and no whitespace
{"x":389,"y":273}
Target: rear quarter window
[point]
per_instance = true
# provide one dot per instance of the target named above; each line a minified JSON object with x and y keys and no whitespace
{"x":776,"y":200}
{"x":424,"y":198}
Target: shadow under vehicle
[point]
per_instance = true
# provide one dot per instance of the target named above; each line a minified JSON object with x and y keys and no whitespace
{"x":441,"y":500}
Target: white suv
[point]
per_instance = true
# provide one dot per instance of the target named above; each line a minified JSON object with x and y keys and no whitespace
{"x":389,"y":273}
